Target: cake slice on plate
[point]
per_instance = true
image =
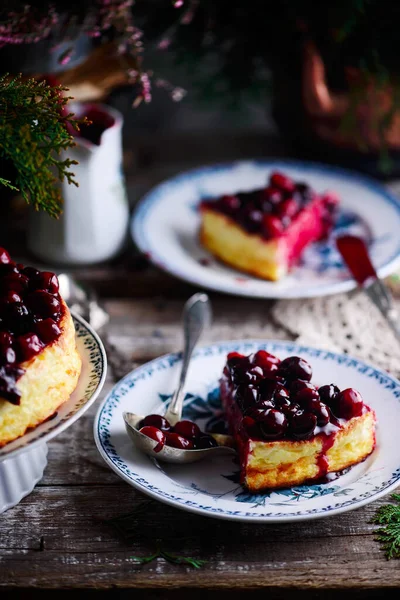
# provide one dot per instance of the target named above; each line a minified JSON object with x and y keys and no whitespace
{"x":287,"y":430}
{"x":264,"y":232}
{"x":39,"y":362}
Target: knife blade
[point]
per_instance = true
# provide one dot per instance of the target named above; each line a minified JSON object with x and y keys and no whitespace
{"x":355,"y":254}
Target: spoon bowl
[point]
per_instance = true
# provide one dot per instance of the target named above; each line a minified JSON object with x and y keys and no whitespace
{"x":196,"y":317}
{"x":170,"y":454}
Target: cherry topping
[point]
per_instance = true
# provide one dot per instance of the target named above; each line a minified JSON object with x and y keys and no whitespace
{"x":8,"y":268}
{"x":44,"y":304}
{"x":273,"y":423}
{"x":47,"y":330}
{"x":15,"y":282}
{"x":282,"y":182}
{"x":156,"y":421}
{"x":295,"y":367}
{"x":5,"y":258}
{"x":7,"y":355}
{"x":187,"y":429}
{"x":206,"y":441}
{"x":45,"y":281}
{"x":264,"y":359}
{"x":155,"y":434}
{"x":177,"y":441}
{"x":272,"y":226}
{"x":18,"y":317}
{"x":270,"y":195}
{"x":288,"y":208}
{"x":308,"y":398}
{"x":328,"y":394}
{"x":246,"y":396}
{"x":6,"y":338}
{"x":30,"y":272}
{"x":302,"y":425}
{"x":9,"y":297}
{"x":28,"y":346}
{"x":323,"y":415}
{"x":230,"y":203}
{"x":349,"y":404}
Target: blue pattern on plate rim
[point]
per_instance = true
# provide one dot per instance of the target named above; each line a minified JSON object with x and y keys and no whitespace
{"x":195,"y":406}
{"x":321,"y":258}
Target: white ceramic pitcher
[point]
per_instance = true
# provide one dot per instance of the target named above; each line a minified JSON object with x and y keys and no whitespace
{"x":94,"y":221}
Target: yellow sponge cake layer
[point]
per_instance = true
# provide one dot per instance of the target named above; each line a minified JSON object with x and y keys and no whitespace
{"x":48,"y":381}
{"x":244,"y":251}
{"x":287,"y":462}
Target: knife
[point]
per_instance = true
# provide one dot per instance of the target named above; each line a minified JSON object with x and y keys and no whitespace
{"x":355,"y":254}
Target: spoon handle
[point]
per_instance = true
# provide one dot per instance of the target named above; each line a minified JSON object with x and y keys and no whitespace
{"x":196,"y":317}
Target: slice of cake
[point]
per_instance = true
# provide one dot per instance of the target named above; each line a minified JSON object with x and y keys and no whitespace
{"x":39,"y":362}
{"x":264,"y":232}
{"x":287,"y":430}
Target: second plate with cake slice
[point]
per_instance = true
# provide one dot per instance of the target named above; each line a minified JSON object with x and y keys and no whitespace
{"x":292,"y":435}
{"x":268,"y":240}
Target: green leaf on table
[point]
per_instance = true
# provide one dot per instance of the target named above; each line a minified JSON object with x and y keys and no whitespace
{"x":388,"y":535}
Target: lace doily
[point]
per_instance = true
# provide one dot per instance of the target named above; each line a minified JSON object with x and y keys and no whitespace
{"x":344,"y":322}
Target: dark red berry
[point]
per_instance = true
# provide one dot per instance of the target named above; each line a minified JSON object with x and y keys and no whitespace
{"x":264,"y":359}
{"x":308,"y":398}
{"x":6,"y":338}
{"x":295,"y":367}
{"x":177,"y":441}
{"x":323,"y":415}
{"x":8,"y":269}
{"x":28,"y":345}
{"x":44,"y":304}
{"x":155,"y":434}
{"x":272,"y":226}
{"x":156,"y":421}
{"x":30,"y":272}
{"x":230,"y":203}
{"x":267,"y":389}
{"x":349,"y":404}
{"x":328,"y":394}
{"x":290,"y":410}
{"x":282,"y":182}
{"x":7,"y":355}
{"x":15,"y":282}
{"x":8,"y":298}
{"x":273,"y":424}
{"x":288,"y":208}
{"x":18,"y":317}
{"x":187,"y":429}
{"x":302,"y":425}
{"x":297,"y":385}
{"x":270,"y":196}
{"x":246,"y":396}
{"x":206,"y":441}
{"x":46,"y":281}
{"x":232,"y":356}
{"x":5,"y":258}
{"x":47,"y":330}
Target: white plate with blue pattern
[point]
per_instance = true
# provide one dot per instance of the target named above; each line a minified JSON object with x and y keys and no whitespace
{"x":90,"y":383}
{"x":211,"y":487}
{"x":166,"y":222}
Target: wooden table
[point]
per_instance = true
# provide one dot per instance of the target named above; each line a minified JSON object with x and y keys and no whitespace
{"x":60,"y":538}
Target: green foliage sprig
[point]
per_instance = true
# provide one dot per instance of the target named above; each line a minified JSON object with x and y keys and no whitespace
{"x":388,"y":516}
{"x":35,"y":128}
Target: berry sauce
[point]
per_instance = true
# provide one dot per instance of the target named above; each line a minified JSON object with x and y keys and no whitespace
{"x":283,"y":209}
{"x":30,"y":313}
{"x":266,"y":399}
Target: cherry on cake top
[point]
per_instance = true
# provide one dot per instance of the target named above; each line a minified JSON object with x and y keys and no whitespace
{"x":30,"y":311}
{"x":269,"y":211}
{"x":184,"y":435}
{"x":278,"y":400}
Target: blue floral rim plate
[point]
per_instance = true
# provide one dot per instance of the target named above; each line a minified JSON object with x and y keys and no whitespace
{"x":211,"y":487}
{"x":166,"y":222}
{"x":90,"y":383}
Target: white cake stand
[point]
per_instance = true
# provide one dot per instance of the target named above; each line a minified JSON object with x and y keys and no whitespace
{"x":23,"y":461}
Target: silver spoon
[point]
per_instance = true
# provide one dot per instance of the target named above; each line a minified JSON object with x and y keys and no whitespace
{"x":196,"y":317}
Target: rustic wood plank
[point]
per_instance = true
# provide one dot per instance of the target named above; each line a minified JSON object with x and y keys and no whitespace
{"x":84,"y":552}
